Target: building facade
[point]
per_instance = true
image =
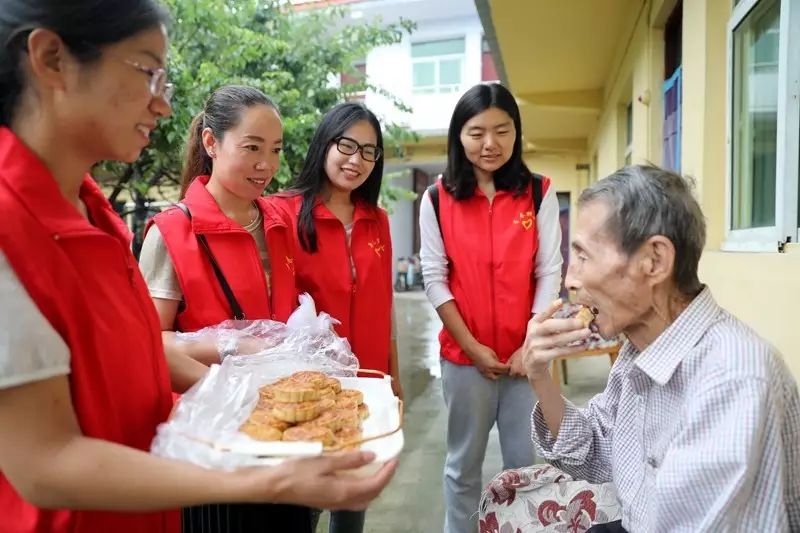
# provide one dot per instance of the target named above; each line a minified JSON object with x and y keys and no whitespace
{"x":710,"y":88}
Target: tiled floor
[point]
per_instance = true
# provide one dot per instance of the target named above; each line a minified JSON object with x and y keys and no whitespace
{"x":413,"y":503}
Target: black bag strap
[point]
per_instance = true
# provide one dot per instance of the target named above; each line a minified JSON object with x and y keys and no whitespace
{"x":537,"y":186}
{"x":236,"y":309}
{"x":433,"y":193}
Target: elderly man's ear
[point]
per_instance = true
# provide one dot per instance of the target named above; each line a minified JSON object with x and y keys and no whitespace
{"x":657,"y":259}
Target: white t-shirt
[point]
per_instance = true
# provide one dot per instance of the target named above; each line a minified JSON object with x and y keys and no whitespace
{"x":548,"y":260}
{"x":30,"y":349}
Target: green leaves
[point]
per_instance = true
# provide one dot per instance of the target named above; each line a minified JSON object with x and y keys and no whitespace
{"x":290,"y":56}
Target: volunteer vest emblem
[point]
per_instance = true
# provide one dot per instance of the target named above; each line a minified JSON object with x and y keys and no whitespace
{"x":525,"y":219}
{"x":377,"y":247}
{"x":290,"y":264}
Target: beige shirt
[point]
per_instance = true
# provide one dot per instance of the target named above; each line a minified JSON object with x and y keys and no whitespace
{"x":159,"y":272}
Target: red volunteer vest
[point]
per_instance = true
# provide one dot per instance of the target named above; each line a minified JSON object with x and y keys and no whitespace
{"x":491,"y":249}
{"x":85,"y":282}
{"x":236,"y":253}
{"x":363,"y":306}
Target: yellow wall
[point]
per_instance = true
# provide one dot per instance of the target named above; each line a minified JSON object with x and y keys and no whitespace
{"x":628,"y":79}
{"x":703,"y":140}
{"x":561,"y":169}
{"x":762,"y":289}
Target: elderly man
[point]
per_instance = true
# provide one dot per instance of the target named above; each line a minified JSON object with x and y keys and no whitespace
{"x":699,"y":425}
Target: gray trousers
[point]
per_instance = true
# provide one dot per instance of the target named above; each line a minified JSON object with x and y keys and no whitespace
{"x":474,"y":405}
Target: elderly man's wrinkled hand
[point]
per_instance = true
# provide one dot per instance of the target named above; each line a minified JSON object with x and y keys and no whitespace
{"x":548,"y":338}
{"x":516,"y":365}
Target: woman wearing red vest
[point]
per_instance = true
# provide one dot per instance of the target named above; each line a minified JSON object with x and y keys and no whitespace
{"x":83,"y":379}
{"x":232,"y":154}
{"x":343,"y":250}
{"x":489,"y":261}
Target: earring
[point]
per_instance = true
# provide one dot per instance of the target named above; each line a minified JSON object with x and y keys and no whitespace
{"x":211,"y":154}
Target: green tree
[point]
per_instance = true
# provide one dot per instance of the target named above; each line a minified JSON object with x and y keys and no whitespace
{"x":291,"y":56}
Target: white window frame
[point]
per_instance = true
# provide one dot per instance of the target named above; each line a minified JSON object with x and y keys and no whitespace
{"x":627,"y":114}
{"x":624,"y":141}
{"x":359,"y":96}
{"x":767,"y":239}
{"x":424,"y":90}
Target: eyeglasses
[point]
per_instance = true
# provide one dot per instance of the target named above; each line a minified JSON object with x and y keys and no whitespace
{"x":348,"y":146}
{"x":159,"y":86}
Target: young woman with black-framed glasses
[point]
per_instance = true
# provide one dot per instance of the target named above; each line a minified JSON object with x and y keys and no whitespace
{"x":342,"y":245}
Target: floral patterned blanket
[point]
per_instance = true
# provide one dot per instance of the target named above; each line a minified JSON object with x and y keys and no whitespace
{"x":542,"y":498}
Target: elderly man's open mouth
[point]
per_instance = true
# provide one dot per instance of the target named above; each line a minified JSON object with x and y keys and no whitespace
{"x":585,"y":314}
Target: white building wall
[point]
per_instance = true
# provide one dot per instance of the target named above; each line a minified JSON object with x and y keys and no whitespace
{"x":390,"y":67}
{"x":401,"y":221}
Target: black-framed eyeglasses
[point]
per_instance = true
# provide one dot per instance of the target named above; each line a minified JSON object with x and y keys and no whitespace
{"x":159,"y":85}
{"x":348,"y":146}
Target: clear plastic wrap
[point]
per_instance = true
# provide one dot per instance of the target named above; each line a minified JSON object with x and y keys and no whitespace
{"x":203,"y":427}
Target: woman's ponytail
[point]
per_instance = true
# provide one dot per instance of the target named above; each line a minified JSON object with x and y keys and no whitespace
{"x":198,"y":162}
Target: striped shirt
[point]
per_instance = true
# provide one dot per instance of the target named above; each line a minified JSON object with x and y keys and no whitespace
{"x":699,"y":432}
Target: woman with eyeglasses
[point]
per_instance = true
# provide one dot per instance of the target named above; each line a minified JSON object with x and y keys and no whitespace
{"x":220,"y":254}
{"x":343,"y":249}
{"x":83,"y":378}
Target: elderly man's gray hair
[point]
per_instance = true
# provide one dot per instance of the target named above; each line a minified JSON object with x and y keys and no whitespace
{"x":646,"y":201}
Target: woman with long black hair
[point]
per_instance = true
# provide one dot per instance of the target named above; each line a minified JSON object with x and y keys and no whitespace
{"x":342,"y":245}
{"x":490,"y":259}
